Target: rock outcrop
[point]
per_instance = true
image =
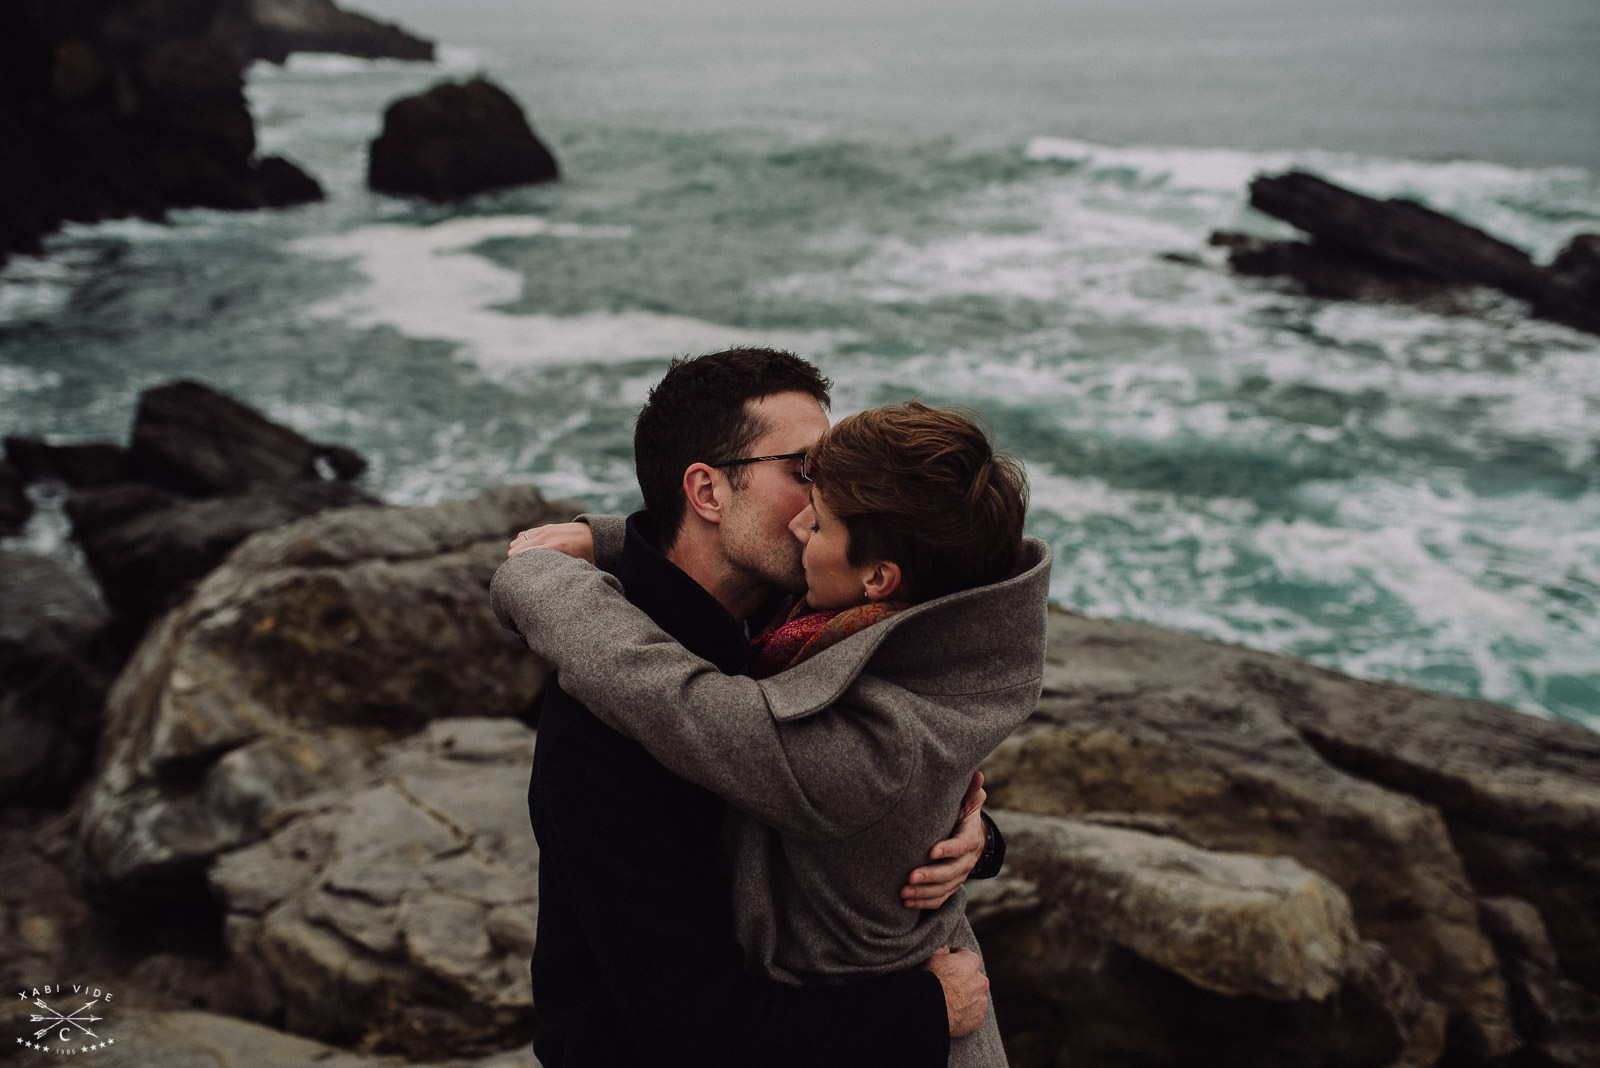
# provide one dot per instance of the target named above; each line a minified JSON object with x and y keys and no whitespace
{"x":273,"y":29}
{"x":456,"y":140}
{"x":57,"y":663}
{"x":110,"y":109}
{"x":1115,"y":945}
{"x":1418,"y":808}
{"x":289,"y":668}
{"x":185,"y":1037}
{"x":98,"y":463}
{"x":313,"y":774}
{"x":422,"y":876}
{"x":1363,"y":248}
{"x":203,"y":472}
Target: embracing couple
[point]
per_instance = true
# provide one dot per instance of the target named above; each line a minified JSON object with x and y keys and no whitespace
{"x":733,"y":789}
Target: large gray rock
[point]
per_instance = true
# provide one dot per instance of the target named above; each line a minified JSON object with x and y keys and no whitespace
{"x":287,"y":670}
{"x":1107,"y":944}
{"x":147,"y":547}
{"x":184,"y":1038}
{"x":401,"y":911}
{"x":1413,"y":805}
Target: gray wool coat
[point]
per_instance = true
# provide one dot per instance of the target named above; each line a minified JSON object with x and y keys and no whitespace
{"x":842,"y":770}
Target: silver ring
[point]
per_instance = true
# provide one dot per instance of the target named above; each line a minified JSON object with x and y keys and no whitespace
{"x":523,"y":536}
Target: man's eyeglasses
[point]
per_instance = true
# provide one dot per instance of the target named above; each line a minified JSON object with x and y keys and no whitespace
{"x":805,"y":462}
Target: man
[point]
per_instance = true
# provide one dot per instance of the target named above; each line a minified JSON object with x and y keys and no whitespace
{"x":636,"y":961}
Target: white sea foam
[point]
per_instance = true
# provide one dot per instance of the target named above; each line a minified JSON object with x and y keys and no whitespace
{"x":1198,"y":169}
{"x":15,"y":381}
{"x":1414,"y":582}
{"x":1491,"y":196}
{"x":427,"y":282}
{"x":334,"y":67}
{"x":1226,"y":169}
{"x":32,"y":287}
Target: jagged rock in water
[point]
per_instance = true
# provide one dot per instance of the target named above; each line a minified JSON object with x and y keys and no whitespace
{"x":273,"y":29}
{"x":197,"y":440}
{"x":1572,"y":292}
{"x":1398,"y":250}
{"x":456,"y":140}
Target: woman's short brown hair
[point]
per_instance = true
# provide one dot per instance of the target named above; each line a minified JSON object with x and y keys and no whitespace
{"x":923,"y":487}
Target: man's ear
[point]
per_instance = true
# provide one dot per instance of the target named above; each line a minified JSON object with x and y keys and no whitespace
{"x":882,"y":580}
{"x":701,"y":490}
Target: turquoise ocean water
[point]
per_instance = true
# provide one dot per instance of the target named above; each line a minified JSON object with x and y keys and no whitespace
{"x":970,"y":203}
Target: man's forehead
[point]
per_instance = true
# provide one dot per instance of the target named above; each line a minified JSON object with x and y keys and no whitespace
{"x":793,"y":421}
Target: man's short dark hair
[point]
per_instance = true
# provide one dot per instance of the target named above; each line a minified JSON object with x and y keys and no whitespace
{"x":698,"y":413}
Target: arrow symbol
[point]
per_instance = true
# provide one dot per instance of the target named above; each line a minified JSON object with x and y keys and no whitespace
{"x":55,"y":1017}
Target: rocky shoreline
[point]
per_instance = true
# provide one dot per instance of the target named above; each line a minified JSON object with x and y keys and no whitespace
{"x":114,"y":109}
{"x":302,"y":834}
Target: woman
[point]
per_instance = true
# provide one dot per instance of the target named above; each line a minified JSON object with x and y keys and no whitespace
{"x":918,"y":648}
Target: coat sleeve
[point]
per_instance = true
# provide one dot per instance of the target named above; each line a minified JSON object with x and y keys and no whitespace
{"x":609,"y":532}
{"x":825,"y":776}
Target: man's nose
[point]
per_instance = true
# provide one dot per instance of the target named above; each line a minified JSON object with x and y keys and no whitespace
{"x":800,"y":525}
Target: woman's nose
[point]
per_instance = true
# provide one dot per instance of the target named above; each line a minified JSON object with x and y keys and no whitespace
{"x":800,"y":525}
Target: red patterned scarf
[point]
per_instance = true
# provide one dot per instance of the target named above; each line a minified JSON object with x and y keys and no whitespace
{"x":805,"y":633}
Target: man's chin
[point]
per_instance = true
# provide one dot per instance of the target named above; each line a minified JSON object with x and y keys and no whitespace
{"x":795,"y":583}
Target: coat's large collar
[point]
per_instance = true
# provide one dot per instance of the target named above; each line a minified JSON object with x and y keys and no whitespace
{"x":1007,"y":616}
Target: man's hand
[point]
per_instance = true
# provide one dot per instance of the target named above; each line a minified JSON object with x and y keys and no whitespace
{"x":574,"y":539}
{"x":931,"y":885}
{"x":966,"y":988}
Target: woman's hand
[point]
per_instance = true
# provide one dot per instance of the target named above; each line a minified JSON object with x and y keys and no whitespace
{"x":574,"y":539}
{"x":953,"y":859}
